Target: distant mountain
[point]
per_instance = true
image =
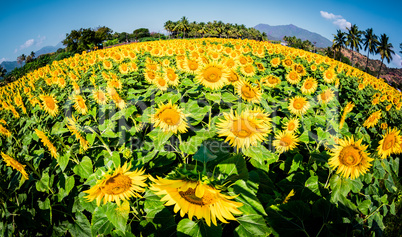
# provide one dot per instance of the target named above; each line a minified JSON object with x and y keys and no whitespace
{"x":278,"y":32}
{"x":49,"y":49}
{"x":9,"y":66}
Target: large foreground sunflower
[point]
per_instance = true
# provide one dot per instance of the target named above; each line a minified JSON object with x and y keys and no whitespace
{"x":244,"y":130}
{"x":118,"y":186}
{"x":248,"y":92}
{"x":350,"y":158}
{"x":390,"y":143}
{"x":170,"y":118}
{"x":195,"y":198}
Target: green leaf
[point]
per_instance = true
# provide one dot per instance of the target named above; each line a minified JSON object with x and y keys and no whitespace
{"x":216,"y":97}
{"x":204,"y":154}
{"x":251,"y":204}
{"x":304,"y":137}
{"x":91,"y":138}
{"x":364,"y":206}
{"x":159,"y":138}
{"x":100,"y":224}
{"x":234,"y":167}
{"x":296,"y":161}
{"x":152,"y":204}
{"x":187,"y":227}
{"x":63,"y":160}
{"x":118,"y":215}
{"x":229,"y":97}
{"x":340,"y":186}
{"x":261,"y":157}
{"x":84,"y":169}
{"x":312,"y":185}
{"x":252,"y":225}
{"x":59,"y":128}
{"x":43,"y":184}
{"x":81,"y":226}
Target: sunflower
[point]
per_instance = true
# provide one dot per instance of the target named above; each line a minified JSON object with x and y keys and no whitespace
{"x":107,"y":64}
{"x":384,"y":126}
{"x":348,"y":108}
{"x":49,"y":104}
{"x":149,"y":75}
{"x":100,"y":97}
{"x":260,"y":66}
{"x":326,"y":96}
{"x":248,"y":92}
{"x":275,"y":62}
{"x":161,"y":83}
{"x":233,"y":77}
{"x":291,"y":125}
{"x":271,"y":81}
{"x":4,"y":131}
{"x":248,"y":70}
{"x":259,"y":114}
{"x":299,"y":69}
{"x":285,"y":141}
{"x":196,"y":198}
{"x":79,"y":104}
{"x":170,"y":118}
{"x":123,"y":68}
{"x":309,"y":86}
{"x":121,"y":185}
{"x":350,"y":158}
{"x":47,"y":143}
{"x":287,"y":62}
{"x":329,"y":75}
{"x":120,"y":103}
{"x":191,"y":66}
{"x":293,"y":77}
{"x":242,"y":131}
{"x":75,"y":129}
{"x":15,"y":165}
{"x":171,"y":76}
{"x":298,"y":105}
{"x":372,"y":120}
{"x":390,"y":143}
{"x":213,"y":76}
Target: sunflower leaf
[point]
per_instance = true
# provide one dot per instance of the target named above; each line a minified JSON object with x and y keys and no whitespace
{"x":187,"y":227}
{"x":204,"y":154}
{"x":252,"y":225}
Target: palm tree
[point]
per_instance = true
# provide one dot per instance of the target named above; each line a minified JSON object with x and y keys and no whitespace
{"x":354,"y":39}
{"x":182,"y":25}
{"x":385,"y":50}
{"x":370,"y":43}
{"x":32,"y":54}
{"x":169,"y":27}
{"x":339,"y":42}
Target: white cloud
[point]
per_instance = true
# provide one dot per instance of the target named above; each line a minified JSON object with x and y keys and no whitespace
{"x":337,"y":20}
{"x":27,"y":44}
{"x":329,"y":16}
{"x":2,"y":60}
{"x":397,"y":61}
{"x":40,"y":40}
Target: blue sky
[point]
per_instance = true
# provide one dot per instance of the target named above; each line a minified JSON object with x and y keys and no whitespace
{"x":30,"y":25}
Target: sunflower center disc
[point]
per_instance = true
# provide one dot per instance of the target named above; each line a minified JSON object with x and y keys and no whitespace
{"x":190,"y":197}
{"x":247,"y":92}
{"x":291,"y":126}
{"x":161,"y":82}
{"x":241,"y":129}
{"x":81,"y":103}
{"x":389,"y":142}
{"x":285,"y":141}
{"x":308,"y":85}
{"x":212,"y":74}
{"x":49,"y":103}
{"x":117,"y":184}
{"x":350,"y":156}
{"x":170,"y":116}
{"x":298,"y":104}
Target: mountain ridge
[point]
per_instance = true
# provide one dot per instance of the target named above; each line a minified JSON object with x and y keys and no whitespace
{"x":279,"y":31}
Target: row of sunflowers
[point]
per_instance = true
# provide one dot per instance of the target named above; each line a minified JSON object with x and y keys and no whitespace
{"x":241,"y":136}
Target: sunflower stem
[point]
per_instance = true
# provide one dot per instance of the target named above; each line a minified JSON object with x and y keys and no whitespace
{"x":100,"y":138}
{"x":33,"y":169}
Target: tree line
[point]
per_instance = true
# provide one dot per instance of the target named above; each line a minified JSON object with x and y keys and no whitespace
{"x":215,"y":29}
{"x":356,"y":39}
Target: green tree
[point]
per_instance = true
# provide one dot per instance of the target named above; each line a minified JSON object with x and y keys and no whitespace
{"x":182,"y":25}
{"x":21,"y":59}
{"x":102,"y":33}
{"x":385,"y":50}
{"x":370,"y":43}
{"x":354,"y":39}
{"x":141,"y":33}
{"x":71,"y":41}
{"x":339,"y":42}
{"x":3,"y":72}
{"x":169,"y":25}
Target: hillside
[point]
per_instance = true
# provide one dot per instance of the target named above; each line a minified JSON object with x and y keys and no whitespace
{"x":10,"y":65}
{"x":278,"y":32}
{"x":390,"y":74}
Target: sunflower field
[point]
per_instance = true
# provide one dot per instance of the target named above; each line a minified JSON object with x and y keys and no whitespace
{"x":202,"y":137}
